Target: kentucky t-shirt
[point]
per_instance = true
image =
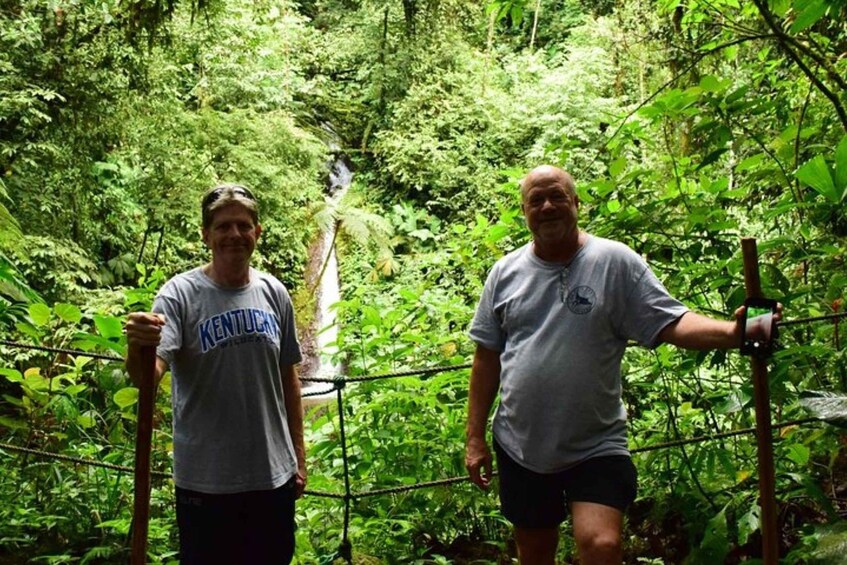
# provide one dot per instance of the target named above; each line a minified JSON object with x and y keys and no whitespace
{"x":225,"y":348}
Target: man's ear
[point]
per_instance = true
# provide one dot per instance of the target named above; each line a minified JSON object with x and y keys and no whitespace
{"x":204,"y":236}
{"x":258,"y":230}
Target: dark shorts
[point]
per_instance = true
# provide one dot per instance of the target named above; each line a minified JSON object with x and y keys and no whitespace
{"x":247,"y":527}
{"x":539,"y":500}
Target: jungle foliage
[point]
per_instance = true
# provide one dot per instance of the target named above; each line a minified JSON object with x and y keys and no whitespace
{"x":687,"y":125}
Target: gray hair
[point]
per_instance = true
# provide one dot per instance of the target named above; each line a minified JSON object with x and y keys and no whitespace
{"x":225,"y":194}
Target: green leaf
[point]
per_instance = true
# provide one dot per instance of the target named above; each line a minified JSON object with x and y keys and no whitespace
{"x":841,"y":167}
{"x":87,"y":419}
{"x":516,"y":14}
{"x":40,"y":314}
{"x":126,"y":397}
{"x":12,"y":375}
{"x":711,"y":158}
{"x":28,"y":329}
{"x":816,"y":174}
{"x":798,"y":453}
{"x":12,"y":423}
{"x":715,"y":544}
{"x":748,"y":523}
{"x":617,"y":167}
{"x":809,"y":12}
{"x":710,"y":83}
{"x":68,"y":312}
{"x":87,"y":342}
{"x":750,"y":162}
{"x":108,"y":326}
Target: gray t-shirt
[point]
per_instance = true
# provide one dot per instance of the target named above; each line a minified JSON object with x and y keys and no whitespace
{"x":225,"y":348}
{"x":561,"y":331}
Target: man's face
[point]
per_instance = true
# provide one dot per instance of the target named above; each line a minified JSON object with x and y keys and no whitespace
{"x":550,"y":207}
{"x":232,"y":235}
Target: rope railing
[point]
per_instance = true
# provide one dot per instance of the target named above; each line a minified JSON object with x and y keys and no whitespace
{"x":404,"y":488}
{"x":339,"y":382}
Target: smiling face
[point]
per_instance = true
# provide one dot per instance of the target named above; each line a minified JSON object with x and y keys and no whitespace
{"x":550,"y":205}
{"x":231,"y":235}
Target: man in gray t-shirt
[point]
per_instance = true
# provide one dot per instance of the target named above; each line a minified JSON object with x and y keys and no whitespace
{"x":551,"y":328}
{"x":226,"y":332}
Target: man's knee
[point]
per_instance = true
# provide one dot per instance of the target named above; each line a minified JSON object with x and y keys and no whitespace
{"x":600,"y":546}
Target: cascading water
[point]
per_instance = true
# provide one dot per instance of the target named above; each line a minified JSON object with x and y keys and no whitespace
{"x":339,"y":181}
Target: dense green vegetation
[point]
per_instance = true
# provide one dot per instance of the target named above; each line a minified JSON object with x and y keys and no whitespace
{"x":686,"y":124}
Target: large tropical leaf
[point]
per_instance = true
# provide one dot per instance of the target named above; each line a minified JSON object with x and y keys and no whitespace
{"x":817,"y":175}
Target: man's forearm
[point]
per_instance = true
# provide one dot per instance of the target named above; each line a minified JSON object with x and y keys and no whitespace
{"x":695,"y":331}
{"x":294,"y":412}
{"x":484,"y":383}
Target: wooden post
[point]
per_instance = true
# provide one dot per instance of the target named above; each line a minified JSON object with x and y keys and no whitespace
{"x":141,"y":507}
{"x":764,"y":436}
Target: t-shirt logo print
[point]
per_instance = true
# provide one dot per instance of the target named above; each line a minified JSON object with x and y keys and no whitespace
{"x":581,"y":300}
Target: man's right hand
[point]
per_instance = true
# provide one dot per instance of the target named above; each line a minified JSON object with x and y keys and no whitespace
{"x":144,"y":329}
{"x":478,"y":462}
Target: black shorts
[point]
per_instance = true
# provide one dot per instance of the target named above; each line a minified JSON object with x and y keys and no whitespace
{"x":539,"y":500}
{"x":247,"y":527}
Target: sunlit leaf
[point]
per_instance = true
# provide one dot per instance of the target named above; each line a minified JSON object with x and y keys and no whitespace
{"x":12,"y":375}
{"x":40,"y":314}
{"x":126,"y":397}
{"x":816,"y":174}
{"x":809,"y":12}
{"x":108,"y":326}
{"x":68,"y":312}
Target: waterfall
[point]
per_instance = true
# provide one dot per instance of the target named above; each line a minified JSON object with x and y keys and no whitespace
{"x":340,"y":178}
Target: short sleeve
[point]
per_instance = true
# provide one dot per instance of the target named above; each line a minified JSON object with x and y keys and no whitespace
{"x":648,"y":309}
{"x":486,"y":327}
{"x":289,"y":346}
{"x":171,"y":341}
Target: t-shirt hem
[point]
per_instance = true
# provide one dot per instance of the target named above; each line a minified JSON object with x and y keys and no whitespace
{"x":274,"y":483}
{"x":544,"y":470}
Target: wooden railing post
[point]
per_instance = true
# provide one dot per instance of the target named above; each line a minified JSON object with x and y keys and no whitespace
{"x":141,"y":506}
{"x":764,"y":435}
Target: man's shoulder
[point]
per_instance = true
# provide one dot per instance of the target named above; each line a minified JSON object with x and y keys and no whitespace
{"x":181,"y":280}
{"x":612,"y":249}
{"x":266,"y":278}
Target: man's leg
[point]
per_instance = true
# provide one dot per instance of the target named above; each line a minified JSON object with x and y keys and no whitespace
{"x":207,"y":535}
{"x":597,"y":532}
{"x":535,"y":504}
{"x":537,"y":546}
{"x":269,"y":516}
{"x":598,"y":491}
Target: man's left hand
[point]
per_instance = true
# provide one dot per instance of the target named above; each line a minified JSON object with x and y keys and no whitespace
{"x":300,"y":482}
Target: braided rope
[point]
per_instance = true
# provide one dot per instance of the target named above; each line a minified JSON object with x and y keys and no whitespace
{"x":407,"y":373}
{"x":75,"y":352}
{"x":812,"y":319}
{"x":720,"y":435}
{"x":417,"y":486}
{"x":76,"y":460}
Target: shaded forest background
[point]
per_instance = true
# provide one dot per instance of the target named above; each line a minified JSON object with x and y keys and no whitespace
{"x":687,"y":125}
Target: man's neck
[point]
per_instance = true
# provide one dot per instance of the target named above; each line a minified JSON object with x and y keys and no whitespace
{"x":229,"y":276}
{"x":561,"y":251}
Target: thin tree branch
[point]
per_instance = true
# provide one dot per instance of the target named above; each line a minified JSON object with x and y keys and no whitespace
{"x":784,"y":41}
